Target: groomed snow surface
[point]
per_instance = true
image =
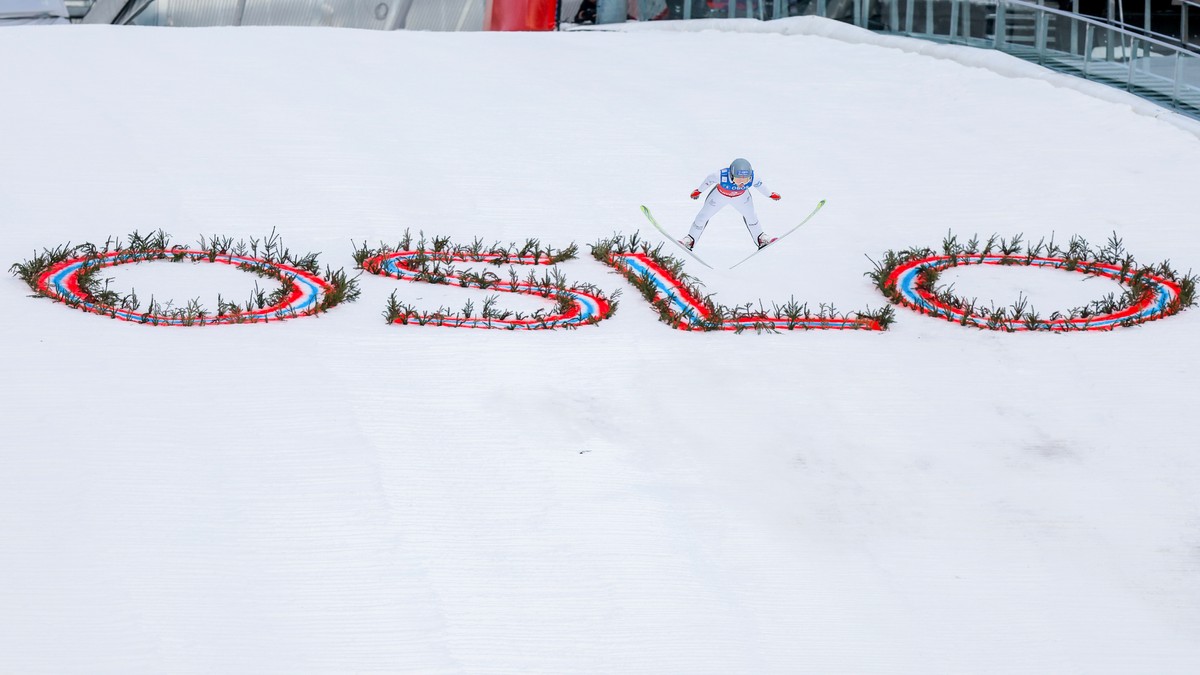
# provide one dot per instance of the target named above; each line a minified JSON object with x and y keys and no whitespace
{"x":335,"y":494}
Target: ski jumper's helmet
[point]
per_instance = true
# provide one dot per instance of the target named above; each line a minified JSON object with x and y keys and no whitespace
{"x":740,"y":167}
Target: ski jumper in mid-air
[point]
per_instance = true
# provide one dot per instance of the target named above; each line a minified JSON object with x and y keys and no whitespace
{"x":733,"y":185}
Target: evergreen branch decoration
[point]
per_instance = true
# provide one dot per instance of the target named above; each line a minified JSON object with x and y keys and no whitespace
{"x":433,"y":261}
{"x":682,"y":303}
{"x":909,"y":279}
{"x":70,"y":274}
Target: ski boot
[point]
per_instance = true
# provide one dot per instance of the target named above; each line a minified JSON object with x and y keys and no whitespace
{"x":765,"y":240}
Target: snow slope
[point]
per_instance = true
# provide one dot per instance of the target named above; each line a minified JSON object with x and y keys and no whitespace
{"x":336,"y":494}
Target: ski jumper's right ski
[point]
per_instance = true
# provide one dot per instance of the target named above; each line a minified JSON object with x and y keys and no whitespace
{"x":673,"y":240}
{"x":776,"y":240}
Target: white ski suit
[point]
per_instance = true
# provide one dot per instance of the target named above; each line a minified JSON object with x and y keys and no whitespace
{"x":728,"y":193}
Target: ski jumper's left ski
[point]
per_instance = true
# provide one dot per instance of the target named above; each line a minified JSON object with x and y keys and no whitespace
{"x":675,"y":241}
{"x":776,"y":240}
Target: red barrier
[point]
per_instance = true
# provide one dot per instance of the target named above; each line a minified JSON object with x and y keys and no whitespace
{"x":520,"y":15}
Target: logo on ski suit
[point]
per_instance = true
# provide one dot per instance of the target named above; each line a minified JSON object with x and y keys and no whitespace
{"x":729,"y":188}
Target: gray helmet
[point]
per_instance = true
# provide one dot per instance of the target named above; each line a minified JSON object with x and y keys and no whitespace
{"x":740,"y":167}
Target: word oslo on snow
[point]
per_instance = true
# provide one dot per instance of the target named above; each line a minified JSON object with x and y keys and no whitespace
{"x":71,"y":275}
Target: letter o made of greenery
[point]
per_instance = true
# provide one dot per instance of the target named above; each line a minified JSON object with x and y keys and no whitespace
{"x":1148,"y":296}
{"x":62,"y":282}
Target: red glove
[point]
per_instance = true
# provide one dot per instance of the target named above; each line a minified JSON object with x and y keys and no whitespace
{"x":775,"y":196}
{"x":695,"y":194}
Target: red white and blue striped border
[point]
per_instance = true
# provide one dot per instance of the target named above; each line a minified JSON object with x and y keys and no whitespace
{"x":1162,"y":298}
{"x":586,"y":307}
{"x":61,"y":282}
{"x":693,"y":313}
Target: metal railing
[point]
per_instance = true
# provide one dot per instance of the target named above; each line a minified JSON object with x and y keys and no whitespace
{"x":1162,"y":71}
{"x":1161,"y":68}
{"x":1115,"y":16}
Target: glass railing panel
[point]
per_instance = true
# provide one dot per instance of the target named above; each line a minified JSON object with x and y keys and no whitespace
{"x":1185,"y":83}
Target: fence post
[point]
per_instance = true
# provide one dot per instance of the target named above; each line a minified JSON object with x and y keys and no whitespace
{"x":1130,"y":63}
{"x":1001,"y":28}
{"x":1075,"y":27}
{"x":1183,"y":23}
{"x":1087,"y":49}
{"x":1178,"y":77}
{"x":1037,"y":36}
{"x":1111,"y":14}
